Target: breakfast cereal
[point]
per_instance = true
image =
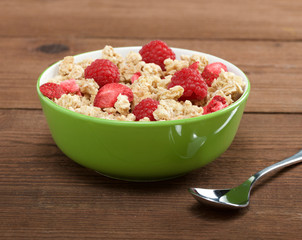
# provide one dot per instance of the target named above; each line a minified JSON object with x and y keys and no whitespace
{"x":175,"y":86}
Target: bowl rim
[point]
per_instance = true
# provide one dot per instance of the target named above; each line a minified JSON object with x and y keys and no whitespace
{"x":231,"y":107}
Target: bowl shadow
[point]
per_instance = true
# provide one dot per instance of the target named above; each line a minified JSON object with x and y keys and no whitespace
{"x":92,"y":179}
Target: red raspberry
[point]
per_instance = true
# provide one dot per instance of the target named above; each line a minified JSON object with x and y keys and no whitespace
{"x":217,"y":103}
{"x":157,"y":52}
{"x":52,"y":90}
{"x":103,"y":71}
{"x":194,"y":66}
{"x":107,"y":95}
{"x":135,"y":76}
{"x":145,"y":109}
{"x":70,"y":86}
{"x":212,"y":71}
{"x":194,"y":86}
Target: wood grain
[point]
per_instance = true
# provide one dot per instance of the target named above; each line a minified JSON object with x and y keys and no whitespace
{"x":46,"y":195}
{"x":274,"y":75}
{"x":175,"y":19}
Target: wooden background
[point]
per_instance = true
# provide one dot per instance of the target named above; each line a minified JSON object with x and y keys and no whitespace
{"x":44,"y":195}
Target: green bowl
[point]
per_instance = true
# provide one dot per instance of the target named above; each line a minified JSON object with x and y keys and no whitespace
{"x":142,"y":151}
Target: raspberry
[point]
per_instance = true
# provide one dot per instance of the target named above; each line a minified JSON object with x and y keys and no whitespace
{"x":52,"y":90}
{"x":156,"y":52}
{"x":107,"y":95}
{"x":145,"y":109}
{"x":217,"y":103}
{"x":194,"y":66}
{"x":103,"y":71}
{"x":212,"y":71}
{"x":135,"y":76}
{"x":193,"y":84}
{"x":70,"y":86}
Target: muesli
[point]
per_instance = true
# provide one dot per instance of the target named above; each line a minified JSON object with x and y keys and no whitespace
{"x":151,"y":85}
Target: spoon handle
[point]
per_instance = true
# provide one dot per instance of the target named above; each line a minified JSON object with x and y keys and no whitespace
{"x":284,"y":163}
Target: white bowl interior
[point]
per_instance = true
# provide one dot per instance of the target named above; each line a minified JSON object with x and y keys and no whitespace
{"x":52,"y":71}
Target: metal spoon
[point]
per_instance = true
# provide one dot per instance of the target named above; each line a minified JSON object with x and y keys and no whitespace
{"x":238,"y":197}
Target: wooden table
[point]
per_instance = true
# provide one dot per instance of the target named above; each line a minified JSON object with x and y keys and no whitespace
{"x":44,"y":195}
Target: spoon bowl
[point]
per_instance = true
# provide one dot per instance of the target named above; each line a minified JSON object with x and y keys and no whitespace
{"x":238,"y":197}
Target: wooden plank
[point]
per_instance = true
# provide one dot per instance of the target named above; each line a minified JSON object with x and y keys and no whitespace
{"x":44,"y":195}
{"x":274,"y":68}
{"x":176,"y":19}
